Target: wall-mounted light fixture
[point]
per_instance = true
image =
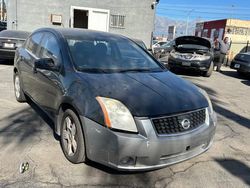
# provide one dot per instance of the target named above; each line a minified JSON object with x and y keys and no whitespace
{"x":153,"y":5}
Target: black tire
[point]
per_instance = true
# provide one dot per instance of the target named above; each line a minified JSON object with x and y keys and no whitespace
{"x":19,"y":94}
{"x":73,"y":154}
{"x":210,"y":70}
{"x":241,"y":73}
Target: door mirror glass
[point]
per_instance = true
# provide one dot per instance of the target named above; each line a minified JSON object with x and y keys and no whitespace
{"x":46,"y":64}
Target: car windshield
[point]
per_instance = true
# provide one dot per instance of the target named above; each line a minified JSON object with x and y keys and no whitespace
{"x":168,"y":44}
{"x":162,"y":43}
{"x":110,"y":55}
{"x":192,"y":46}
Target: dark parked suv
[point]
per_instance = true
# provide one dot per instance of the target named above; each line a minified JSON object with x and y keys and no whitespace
{"x":111,"y":102}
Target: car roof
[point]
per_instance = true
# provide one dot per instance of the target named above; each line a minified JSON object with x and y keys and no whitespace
{"x":14,"y":34}
{"x":136,"y":40}
{"x":139,"y":42}
{"x":81,"y":33}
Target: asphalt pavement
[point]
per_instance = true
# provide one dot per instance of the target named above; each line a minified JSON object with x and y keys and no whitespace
{"x":26,"y":135}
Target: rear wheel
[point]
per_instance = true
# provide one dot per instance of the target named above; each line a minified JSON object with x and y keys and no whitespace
{"x":72,"y":138}
{"x":210,"y":70}
{"x":19,"y":94}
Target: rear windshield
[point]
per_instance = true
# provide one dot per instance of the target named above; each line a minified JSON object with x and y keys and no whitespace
{"x":168,"y":44}
{"x":112,"y":54}
{"x":14,"y":34}
{"x":3,"y":24}
{"x":243,"y":57}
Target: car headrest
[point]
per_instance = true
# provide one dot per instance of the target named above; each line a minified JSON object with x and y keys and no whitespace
{"x":101,"y":49}
{"x":82,"y":47}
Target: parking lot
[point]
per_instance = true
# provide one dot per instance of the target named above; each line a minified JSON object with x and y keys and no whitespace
{"x":26,"y":136}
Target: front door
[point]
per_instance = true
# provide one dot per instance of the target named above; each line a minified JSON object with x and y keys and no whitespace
{"x":28,"y":56}
{"x":49,"y":82}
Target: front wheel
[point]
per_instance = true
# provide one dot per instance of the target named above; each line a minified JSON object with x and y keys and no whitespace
{"x":72,"y":138}
{"x":19,"y":94}
{"x":210,"y":70}
{"x":240,"y":73}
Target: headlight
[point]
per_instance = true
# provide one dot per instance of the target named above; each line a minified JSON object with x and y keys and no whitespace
{"x":175,"y":55}
{"x":201,"y":57}
{"x":210,"y":106}
{"x":116,"y":115}
{"x":209,"y":110}
{"x":19,"y":44}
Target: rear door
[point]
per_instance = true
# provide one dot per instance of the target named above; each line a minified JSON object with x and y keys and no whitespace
{"x":49,"y":82}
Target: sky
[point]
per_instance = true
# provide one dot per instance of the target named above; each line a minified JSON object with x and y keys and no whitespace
{"x":204,"y":9}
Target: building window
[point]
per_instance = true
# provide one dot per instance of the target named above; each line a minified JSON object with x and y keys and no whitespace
{"x":205,"y":33}
{"x":117,"y":21}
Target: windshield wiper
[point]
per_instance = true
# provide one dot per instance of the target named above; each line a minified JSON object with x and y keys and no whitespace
{"x":92,"y":70}
{"x":95,"y":70}
{"x":136,"y":70}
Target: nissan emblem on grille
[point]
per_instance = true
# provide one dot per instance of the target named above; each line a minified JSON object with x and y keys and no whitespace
{"x":185,"y":123}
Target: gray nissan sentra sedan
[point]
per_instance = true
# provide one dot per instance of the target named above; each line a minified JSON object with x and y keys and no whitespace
{"x":111,"y":101}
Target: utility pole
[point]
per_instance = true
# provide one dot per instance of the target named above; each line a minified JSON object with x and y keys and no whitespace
{"x":1,"y":9}
{"x":189,"y":12}
{"x":153,"y":6}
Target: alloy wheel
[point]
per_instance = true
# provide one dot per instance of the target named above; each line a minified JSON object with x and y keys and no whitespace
{"x":69,"y":136}
{"x":17,"y":86}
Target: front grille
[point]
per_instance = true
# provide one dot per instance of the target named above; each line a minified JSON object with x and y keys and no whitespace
{"x":179,"y":123}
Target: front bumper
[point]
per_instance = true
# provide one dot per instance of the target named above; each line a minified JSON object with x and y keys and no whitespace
{"x":145,"y":150}
{"x":192,"y":65}
{"x":7,"y":54}
{"x":240,"y":66}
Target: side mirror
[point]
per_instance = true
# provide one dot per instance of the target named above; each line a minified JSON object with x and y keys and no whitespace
{"x":45,"y":64}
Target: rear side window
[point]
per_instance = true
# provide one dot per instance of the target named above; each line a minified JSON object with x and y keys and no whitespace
{"x":33,"y":43}
{"x":50,"y":47}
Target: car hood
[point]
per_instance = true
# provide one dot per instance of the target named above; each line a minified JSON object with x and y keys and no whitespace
{"x":147,"y":94}
{"x":192,"y":40}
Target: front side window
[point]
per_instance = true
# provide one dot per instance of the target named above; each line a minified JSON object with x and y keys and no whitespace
{"x":50,"y":48}
{"x":109,"y":55}
{"x":33,"y":43}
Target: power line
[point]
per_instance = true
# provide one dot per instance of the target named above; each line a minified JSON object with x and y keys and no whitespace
{"x":202,"y":6}
{"x":205,"y":12}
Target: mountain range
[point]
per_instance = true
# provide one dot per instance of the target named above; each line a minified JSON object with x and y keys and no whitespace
{"x":162,"y":24}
